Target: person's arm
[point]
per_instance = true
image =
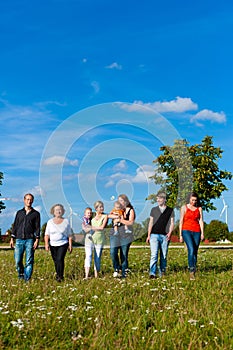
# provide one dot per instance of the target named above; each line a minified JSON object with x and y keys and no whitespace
{"x":12,"y":243}
{"x":37,"y":231}
{"x":100,"y":228}
{"x":201,"y":222}
{"x":86,"y":227}
{"x":113,"y":215}
{"x":131,"y":218}
{"x":182,"y":212}
{"x":13,"y":233}
{"x":171,"y":228}
{"x":150,"y":225}
{"x":46,"y":237}
{"x":70,"y":248}
{"x":46,"y":242}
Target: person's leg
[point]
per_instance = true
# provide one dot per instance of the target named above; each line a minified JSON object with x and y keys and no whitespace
{"x":61,"y":253}
{"x":163,"y":254}
{"x":88,"y":258}
{"x":53,"y":251}
{"x":114,"y":247}
{"x":125,"y":245}
{"x":188,"y":239}
{"x":29,"y":259}
{"x":124,"y":259}
{"x":196,"y":243}
{"x":154,"y":250}
{"x":97,"y":258}
{"x":124,"y":254}
{"x":18,"y":254}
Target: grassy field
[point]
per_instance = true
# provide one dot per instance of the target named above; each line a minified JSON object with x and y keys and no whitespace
{"x":107,"y":313}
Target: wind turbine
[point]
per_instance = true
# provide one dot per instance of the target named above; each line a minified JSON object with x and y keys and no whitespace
{"x":70,"y":216}
{"x":225,"y":207}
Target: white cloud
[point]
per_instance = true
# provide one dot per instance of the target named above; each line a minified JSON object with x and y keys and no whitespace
{"x":122,"y":165}
{"x":56,"y":160}
{"x":143,"y":174}
{"x":95,"y":86}
{"x":38,"y":208}
{"x":114,"y":65}
{"x":207,"y":115}
{"x":110,"y":183}
{"x":36,"y":191}
{"x":178,"y":105}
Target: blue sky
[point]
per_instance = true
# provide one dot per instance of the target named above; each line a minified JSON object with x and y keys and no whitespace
{"x":63,"y":66}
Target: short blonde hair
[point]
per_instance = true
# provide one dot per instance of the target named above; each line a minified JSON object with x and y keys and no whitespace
{"x":97,"y":204}
{"x":57,"y":205}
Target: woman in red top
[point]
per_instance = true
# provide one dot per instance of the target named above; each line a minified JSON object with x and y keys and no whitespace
{"x":192,"y":230}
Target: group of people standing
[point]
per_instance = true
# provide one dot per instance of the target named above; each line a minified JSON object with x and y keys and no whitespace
{"x":58,"y":235}
{"x":161,"y":225}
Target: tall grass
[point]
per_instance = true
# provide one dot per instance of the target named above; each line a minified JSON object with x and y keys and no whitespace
{"x":108,"y":313}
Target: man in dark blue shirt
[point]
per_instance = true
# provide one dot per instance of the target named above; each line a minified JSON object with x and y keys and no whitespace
{"x":160,"y":227}
{"x":26,"y":232}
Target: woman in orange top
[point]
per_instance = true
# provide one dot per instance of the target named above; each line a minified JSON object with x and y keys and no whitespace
{"x":192,"y":229}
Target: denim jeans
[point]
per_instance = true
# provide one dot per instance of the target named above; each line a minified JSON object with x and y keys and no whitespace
{"x":158,"y":243}
{"x":98,"y":249}
{"x":58,"y":255}
{"x":21,"y":246}
{"x":123,"y":244}
{"x":192,"y":241}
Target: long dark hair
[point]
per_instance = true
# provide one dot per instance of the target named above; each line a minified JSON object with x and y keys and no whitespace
{"x":195,"y":195}
{"x":126,"y":199}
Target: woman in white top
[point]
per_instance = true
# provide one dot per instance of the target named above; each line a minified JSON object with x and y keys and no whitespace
{"x":58,"y":238}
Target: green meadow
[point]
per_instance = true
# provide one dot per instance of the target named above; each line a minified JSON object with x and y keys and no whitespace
{"x":108,"y":313}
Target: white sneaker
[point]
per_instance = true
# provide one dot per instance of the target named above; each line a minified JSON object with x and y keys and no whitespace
{"x":115,"y":274}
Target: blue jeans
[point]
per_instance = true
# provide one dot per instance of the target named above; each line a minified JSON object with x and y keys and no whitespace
{"x":123,"y":244}
{"x":58,"y":255}
{"x":21,"y":246}
{"x":98,"y":249}
{"x":192,"y":241}
{"x":158,"y":243}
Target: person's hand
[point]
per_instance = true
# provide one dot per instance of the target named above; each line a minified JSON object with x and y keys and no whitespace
{"x":148,"y":240}
{"x":36,"y":243}
{"x":168,"y":236}
{"x":202,"y":237}
{"x":46,"y":247}
{"x":70,"y":248}
{"x":12,"y":243}
{"x":181,"y":239}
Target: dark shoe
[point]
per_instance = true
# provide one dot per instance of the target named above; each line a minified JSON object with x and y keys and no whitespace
{"x":153,"y":277}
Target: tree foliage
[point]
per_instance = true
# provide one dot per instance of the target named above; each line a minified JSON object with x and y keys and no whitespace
{"x":2,"y":206}
{"x":216,"y":231}
{"x":182,"y":168}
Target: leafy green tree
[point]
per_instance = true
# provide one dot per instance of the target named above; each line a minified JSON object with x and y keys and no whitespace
{"x":216,"y":230}
{"x":140,"y":230}
{"x":2,"y":206}
{"x":42,"y":231}
{"x":137,"y":230}
{"x":183,"y":168}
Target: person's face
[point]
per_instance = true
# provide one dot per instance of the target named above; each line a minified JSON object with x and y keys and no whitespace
{"x":58,"y":211}
{"x":88,"y":213}
{"x":28,"y":200}
{"x":193,"y":201}
{"x":122,"y":202}
{"x":117,"y":206}
{"x":161,"y":200}
{"x":100,"y":208}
